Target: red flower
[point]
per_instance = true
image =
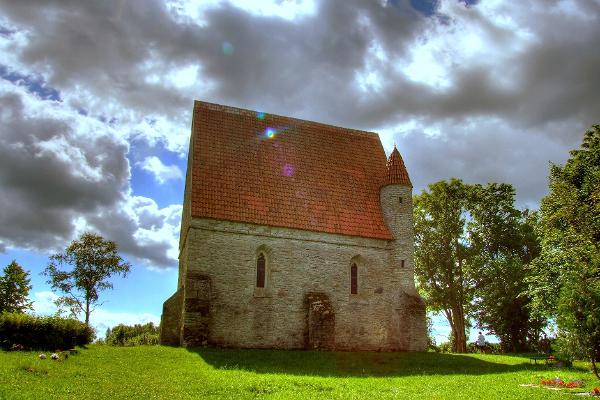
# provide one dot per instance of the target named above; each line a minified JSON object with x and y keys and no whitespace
{"x":596,"y":391}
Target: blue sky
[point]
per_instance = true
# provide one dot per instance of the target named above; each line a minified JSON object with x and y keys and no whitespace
{"x":96,"y":101}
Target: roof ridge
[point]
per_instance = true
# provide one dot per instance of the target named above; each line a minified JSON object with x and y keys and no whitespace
{"x":239,"y":110}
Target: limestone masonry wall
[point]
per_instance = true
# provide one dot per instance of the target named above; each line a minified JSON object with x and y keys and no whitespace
{"x":170,"y":327}
{"x":229,"y":310}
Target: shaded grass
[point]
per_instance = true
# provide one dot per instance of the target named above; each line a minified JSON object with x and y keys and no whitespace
{"x":349,"y":364}
{"x":157,"y":372}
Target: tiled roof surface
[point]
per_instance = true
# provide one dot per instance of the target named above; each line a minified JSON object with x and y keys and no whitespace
{"x":396,"y":171}
{"x":278,"y":171}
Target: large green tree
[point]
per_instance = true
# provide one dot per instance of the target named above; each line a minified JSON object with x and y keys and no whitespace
{"x":567,"y":273}
{"x":472,"y":246}
{"x":91,"y":260}
{"x":441,"y":254}
{"x":15,"y":285}
{"x":504,"y":242}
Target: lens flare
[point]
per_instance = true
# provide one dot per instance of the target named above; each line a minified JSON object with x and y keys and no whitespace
{"x":270,"y":132}
{"x":260,"y":115}
{"x":227,"y":48}
{"x":288,"y":170}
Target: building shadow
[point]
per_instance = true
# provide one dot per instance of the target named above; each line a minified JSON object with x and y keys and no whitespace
{"x":354,"y":364}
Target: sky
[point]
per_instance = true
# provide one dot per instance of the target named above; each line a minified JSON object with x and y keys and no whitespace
{"x":96,"y":100}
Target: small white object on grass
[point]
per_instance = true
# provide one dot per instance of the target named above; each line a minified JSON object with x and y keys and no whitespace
{"x":42,"y":356}
{"x":54,"y":356}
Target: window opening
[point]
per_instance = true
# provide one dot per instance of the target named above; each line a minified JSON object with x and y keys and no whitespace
{"x":354,"y":279}
{"x":260,"y":271}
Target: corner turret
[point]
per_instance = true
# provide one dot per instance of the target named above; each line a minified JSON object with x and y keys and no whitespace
{"x":395,"y":197}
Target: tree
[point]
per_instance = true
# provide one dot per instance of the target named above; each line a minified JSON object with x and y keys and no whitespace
{"x":14,"y":289}
{"x":567,"y":273}
{"x":93,"y":261}
{"x":442,"y":272}
{"x":472,"y":246}
{"x":504,"y":243}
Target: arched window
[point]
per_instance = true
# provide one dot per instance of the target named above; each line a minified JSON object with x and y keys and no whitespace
{"x":260,"y":271}
{"x":353,"y":279}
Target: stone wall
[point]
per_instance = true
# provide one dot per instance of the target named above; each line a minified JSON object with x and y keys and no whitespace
{"x":409,"y":318}
{"x":170,"y":321}
{"x":299,"y":263}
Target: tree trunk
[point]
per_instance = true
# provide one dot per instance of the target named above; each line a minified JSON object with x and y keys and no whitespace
{"x":458,"y":311}
{"x":456,"y":321}
{"x":87,"y":312}
{"x":460,"y":339}
{"x":593,"y":359}
{"x":450,"y":319}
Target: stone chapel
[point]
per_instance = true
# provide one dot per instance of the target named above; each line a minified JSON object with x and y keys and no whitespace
{"x":294,"y":235}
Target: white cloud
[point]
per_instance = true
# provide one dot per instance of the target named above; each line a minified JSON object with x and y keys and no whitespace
{"x":286,"y":9}
{"x":162,"y":173}
{"x":73,"y":169}
{"x":43,"y":303}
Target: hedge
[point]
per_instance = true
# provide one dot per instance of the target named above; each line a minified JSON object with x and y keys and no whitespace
{"x":127,"y":335}
{"x":49,"y":333}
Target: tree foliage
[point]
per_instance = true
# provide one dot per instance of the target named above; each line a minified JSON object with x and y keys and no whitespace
{"x":92,"y":261}
{"x":472,"y":246}
{"x":133,"y":335}
{"x":504,"y":243}
{"x":14,"y":289}
{"x":567,"y":273}
{"x":441,"y":254}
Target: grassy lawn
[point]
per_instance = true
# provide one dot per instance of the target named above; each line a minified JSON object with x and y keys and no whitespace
{"x":156,"y":372}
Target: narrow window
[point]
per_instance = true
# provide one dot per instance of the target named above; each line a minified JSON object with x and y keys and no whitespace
{"x":402,"y":263}
{"x":353,"y":279}
{"x":400,"y":199}
{"x":260,"y":271}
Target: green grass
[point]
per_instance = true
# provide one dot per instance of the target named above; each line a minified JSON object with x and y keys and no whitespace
{"x":156,"y":372}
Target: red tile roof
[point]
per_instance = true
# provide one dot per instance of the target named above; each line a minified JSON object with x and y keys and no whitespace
{"x":396,"y":171}
{"x":279,"y":171}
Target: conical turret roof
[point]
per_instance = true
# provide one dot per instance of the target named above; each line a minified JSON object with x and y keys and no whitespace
{"x":396,"y":171}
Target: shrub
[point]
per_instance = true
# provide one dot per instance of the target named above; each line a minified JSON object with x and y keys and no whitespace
{"x":445,"y":347}
{"x":42,"y":332}
{"x":490,"y":348}
{"x":136,"y":335}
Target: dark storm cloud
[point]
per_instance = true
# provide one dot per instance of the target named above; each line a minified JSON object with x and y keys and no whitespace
{"x":560,"y":79}
{"x":103,"y":47}
{"x":49,"y":175}
{"x":307,"y":67}
{"x":153,"y":252}
{"x":54,"y":172}
{"x":522,"y":99}
{"x":487,"y":151}
{"x":554,"y":79}
{"x":110,"y":47}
